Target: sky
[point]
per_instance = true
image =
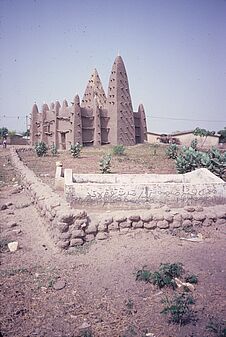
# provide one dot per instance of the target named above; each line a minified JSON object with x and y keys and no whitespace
{"x":174,"y":52}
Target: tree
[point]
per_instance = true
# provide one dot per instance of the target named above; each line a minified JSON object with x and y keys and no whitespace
{"x":203,"y":133}
{"x":222,"y":134}
{"x":3,"y":131}
{"x":26,"y":133}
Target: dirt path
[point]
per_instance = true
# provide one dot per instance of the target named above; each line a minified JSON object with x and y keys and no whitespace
{"x":98,"y":281}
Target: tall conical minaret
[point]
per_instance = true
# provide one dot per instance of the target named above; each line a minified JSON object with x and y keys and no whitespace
{"x":119,"y":105}
{"x":143,"y":123}
{"x":33,"y":128}
{"x":93,"y":90}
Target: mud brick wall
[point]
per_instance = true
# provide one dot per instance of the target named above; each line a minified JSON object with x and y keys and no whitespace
{"x":71,"y":227}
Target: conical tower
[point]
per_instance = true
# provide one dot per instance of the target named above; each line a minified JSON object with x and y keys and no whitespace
{"x":94,"y":89}
{"x":119,"y":105}
{"x":34,"y":121}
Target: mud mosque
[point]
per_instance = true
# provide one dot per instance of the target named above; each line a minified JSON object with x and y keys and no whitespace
{"x":97,"y":120}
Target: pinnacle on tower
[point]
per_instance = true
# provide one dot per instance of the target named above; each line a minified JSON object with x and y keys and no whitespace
{"x":34,"y":109}
{"x":94,"y":88}
{"x":119,"y":105}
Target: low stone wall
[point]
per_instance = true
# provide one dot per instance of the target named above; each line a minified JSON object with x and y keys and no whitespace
{"x":199,"y":187}
{"x":71,"y":227}
{"x":57,"y":213}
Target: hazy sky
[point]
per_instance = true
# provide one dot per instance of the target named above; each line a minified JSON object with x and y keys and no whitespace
{"x":174,"y":52}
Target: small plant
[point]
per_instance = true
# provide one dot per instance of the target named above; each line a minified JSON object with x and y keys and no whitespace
{"x":217,"y":326}
{"x":41,"y":149}
{"x":54,"y":150}
{"x":179,"y":309}
{"x":191,"y":279}
{"x":194,"y":143}
{"x":154,"y":147}
{"x":164,"y":276}
{"x":118,"y":150}
{"x":143,"y":275}
{"x":76,"y":150}
{"x":172,"y":151}
{"x":105,"y":164}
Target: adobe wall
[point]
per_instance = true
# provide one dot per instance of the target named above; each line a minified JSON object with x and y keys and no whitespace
{"x":70,"y":228}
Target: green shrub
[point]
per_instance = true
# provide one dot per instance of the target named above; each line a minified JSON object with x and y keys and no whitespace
{"x":76,"y":150}
{"x":179,"y":309}
{"x":105,"y":164}
{"x":54,"y":150}
{"x":118,"y":150}
{"x":41,"y":149}
{"x":172,"y":151}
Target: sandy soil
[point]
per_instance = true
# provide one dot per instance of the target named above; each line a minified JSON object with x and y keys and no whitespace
{"x":98,"y":281}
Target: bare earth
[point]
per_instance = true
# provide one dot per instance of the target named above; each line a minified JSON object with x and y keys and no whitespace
{"x":98,"y":281}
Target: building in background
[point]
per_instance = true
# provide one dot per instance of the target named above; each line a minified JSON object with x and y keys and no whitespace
{"x":98,"y":119}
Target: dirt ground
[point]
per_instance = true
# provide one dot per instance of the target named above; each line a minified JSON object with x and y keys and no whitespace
{"x":98,"y":282}
{"x":143,"y":158}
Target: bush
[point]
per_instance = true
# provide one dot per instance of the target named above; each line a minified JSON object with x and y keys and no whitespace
{"x":118,"y":150}
{"x":53,"y":149}
{"x":179,"y":309}
{"x":172,"y":151}
{"x":76,"y":150}
{"x":41,"y":149}
{"x":105,"y":164}
{"x":188,"y":160}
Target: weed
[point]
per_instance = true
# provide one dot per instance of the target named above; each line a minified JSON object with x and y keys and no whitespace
{"x":41,"y":149}
{"x":191,"y":279}
{"x":217,"y":326}
{"x":118,"y":150}
{"x":143,"y":275}
{"x":162,"y":280}
{"x":172,"y":269}
{"x":179,"y":309}
{"x":105,"y":164}
{"x":164,"y":276}
{"x":76,"y":150}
